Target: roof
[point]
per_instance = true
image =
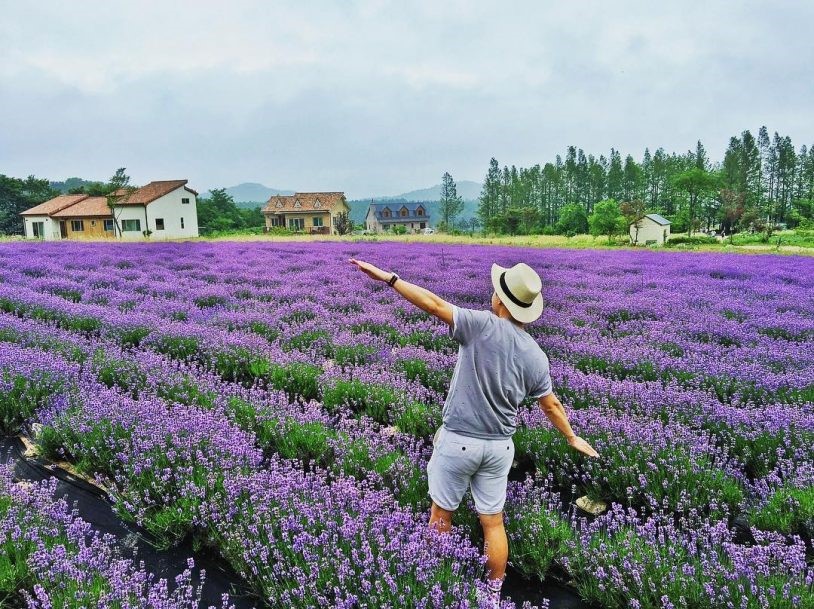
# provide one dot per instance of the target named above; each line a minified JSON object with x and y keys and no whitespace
{"x":152,"y":191}
{"x":53,"y":205}
{"x":658,"y":219}
{"x":394,"y":207}
{"x":304,"y":201}
{"x":91,"y":206}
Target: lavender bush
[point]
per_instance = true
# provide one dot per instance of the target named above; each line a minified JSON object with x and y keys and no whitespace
{"x":50,"y":558}
{"x":192,"y":378}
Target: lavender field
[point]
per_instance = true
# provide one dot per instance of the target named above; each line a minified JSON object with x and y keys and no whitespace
{"x":274,"y":405}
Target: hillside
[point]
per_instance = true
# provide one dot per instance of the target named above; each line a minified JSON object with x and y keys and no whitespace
{"x":467,"y":190}
{"x":358,"y":209}
{"x":249,"y":192}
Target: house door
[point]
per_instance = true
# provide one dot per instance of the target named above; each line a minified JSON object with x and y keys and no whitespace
{"x":63,"y":230}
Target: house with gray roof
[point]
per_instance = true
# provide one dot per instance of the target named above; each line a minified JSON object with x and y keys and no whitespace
{"x":384,"y":216}
{"x":650,"y":229}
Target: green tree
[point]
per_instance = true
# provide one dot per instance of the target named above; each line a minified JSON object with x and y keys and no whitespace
{"x":573,"y":220}
{"x":18,"y":195}
{"x":607,"y":219}
{"x":616,"y":176}
{"x":252,"y":217}
{"x":115,"y":189}
{"x":699,"y":184}
{"x":343,"y":224}
{"x":450,"y":205}
{"x":218,"y":213}
{"x":633,"y":213}
{"x":490,"y":194}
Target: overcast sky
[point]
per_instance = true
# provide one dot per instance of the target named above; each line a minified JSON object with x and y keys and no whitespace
{"x":383,"y":97}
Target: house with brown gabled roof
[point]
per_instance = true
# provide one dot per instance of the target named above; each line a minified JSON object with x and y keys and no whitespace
{"x":158,"y":210}
{"x":38,"y":222}
{"x":89,"y":218}
{"x":309,"y":212}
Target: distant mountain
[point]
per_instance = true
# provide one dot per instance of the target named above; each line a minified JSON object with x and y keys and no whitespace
{"x":72,"y":184}
{"x":252,"y":192}
{"x":467,"y":190}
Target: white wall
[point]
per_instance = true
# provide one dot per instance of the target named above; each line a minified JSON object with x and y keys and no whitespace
{"x":649,"y":231}
{"x":170,"y":209}
{"x":129,"y":212}
{"x":50,"y":227}
{"x":370,"y":220}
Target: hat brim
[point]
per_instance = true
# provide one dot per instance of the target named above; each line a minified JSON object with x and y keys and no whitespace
{"x":524,"y":315}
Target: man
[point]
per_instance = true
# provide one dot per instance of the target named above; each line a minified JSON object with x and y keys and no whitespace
{"x":499,"y":365}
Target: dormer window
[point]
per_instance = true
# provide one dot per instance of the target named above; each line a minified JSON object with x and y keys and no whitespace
{"x":278,"y":204}
{"x":419,"y":211}
{"x":317,"y":204}
{"x":297,"y":204}
{"x":385,"y":213}
{"x":404,"y":212}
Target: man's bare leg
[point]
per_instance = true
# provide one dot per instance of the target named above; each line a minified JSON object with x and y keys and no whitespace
{"x":495,"y":545}
{"x":440,"y":518}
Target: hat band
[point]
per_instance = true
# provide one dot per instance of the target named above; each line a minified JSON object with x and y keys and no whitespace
{"x":511,"y":296}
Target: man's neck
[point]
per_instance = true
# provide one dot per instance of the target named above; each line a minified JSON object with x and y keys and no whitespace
{"x":506,"y":315}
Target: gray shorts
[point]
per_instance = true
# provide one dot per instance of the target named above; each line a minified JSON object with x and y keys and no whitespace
{"x":458,"y":462}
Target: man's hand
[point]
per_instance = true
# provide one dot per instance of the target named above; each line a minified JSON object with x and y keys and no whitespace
{"x":423,"y":299}
{"x":371,"y":271}
{"x":582,"y":446}
{"x":553,"y":409}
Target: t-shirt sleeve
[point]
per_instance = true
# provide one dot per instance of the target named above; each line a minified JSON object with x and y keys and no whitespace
{"x":542,"y":385}
{"x":467,"y":323}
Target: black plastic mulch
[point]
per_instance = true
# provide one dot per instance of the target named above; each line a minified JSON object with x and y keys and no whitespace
{"x":93,"y":507}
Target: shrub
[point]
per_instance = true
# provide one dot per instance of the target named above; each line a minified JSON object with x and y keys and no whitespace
{"x":788,"y":510}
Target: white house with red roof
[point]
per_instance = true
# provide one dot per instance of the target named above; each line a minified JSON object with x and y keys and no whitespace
{"x":159,"y":210}
{"x":39,"y":222}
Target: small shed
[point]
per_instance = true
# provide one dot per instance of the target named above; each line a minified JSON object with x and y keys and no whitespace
{"x":650,"y":229}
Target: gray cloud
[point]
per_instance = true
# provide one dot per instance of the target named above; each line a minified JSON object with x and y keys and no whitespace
{"x":380,"y":97}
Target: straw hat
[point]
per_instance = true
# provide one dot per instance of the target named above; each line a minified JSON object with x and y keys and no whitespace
{"x":519,"y":289}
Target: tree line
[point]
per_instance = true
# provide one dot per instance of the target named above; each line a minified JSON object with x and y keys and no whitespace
{"x":761,"y":182}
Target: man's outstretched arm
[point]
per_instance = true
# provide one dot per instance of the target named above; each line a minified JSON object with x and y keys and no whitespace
{"x":553,"y":409}
{"x":420,"y":297}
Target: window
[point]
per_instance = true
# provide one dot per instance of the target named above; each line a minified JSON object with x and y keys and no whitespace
{"x":39,"y":229}
{"x":423,"y":225}
{"x":184,"y":201}
{"x":182,"y":223}
{"x":77,"y":226}
{"x":404,"y":212}
{"x":131,"y":226}
{"x":159,"y":224}
{"x":318,"y":221}
{"x":386,"y":213}
{"x":419,"y":212}
{"x":296,"y":223}
{"x":93,"y":222}
{"x":275,"y":221}
{"x":108,"y":225}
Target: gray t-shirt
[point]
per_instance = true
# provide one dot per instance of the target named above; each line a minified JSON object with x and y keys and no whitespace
{"x":499,"y":365}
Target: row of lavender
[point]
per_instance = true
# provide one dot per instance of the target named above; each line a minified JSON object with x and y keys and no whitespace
{"x":162,"y":462}
{"x":394,"y":368}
